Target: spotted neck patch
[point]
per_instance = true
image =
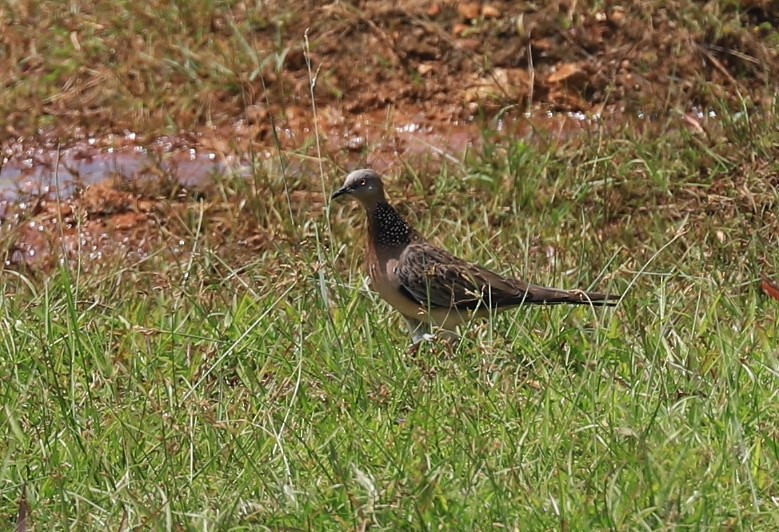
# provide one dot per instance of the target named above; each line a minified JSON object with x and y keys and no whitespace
{"x":387,"y":227}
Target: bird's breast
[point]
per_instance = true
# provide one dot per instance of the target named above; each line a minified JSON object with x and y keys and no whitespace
{"x":384,"y":280}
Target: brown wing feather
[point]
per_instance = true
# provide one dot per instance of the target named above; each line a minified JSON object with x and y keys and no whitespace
{"x":436,"y":278}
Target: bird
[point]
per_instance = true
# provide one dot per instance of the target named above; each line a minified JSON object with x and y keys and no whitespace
{"x":431,"y":288}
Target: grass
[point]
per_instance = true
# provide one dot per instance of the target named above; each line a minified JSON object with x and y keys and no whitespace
{"x":111,"y":66}
{"x":223,"y":393}
{"x":240,"y":384}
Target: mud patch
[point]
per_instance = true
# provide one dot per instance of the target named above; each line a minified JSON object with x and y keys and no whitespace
{"x":395,"y":85}
{"x":195,"y":161}
{"x":41,"y":171}
{"x":444,"y":60}
{"x":103,"y":198}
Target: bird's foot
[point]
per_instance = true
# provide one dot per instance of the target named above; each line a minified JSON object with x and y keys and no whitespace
{"x":427,"y":337}
{"x":417,"y":340}
{"x":420,"y":332}
{"x":445,"y":338}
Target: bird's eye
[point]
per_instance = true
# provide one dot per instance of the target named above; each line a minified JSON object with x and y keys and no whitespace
{"x":362,"y":182}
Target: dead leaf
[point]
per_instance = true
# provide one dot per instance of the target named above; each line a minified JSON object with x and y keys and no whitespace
{"x":104,"y":198}
{"x":565,"y":71}
{"x":490,"y":11}
{"x":694,"y":124}
{"x":770,"y":287}
{"x":501,"y":83}
{"x":425,"y":68}
{"x":469,"y":10}
{"x":458,"y":29}
{"x":568,"y":100}
{"x":127,"y":220}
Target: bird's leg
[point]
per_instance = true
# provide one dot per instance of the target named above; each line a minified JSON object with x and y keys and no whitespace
{"x":420,"y":331}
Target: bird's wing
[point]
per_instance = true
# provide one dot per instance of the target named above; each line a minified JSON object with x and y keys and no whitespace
{"x":432,"y":277}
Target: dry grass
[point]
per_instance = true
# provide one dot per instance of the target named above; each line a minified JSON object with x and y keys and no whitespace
{"x":157,"y":67}
{"x":222,"y":366}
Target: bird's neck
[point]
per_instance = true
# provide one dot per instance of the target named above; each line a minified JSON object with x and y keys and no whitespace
{"x":386,"y":227}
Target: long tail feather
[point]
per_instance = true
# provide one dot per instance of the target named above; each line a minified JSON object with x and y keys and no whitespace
{"x":539,"y":295}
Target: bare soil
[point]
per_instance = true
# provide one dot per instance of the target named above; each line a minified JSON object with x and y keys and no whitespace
{"x":438,"y":60}
{"x":389,"y":79}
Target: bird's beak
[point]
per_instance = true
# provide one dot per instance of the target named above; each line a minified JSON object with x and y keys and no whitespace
{"x":343,"y":191}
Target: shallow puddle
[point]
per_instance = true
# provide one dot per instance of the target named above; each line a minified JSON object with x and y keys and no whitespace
{"x":58,"y":173}
{"x":84,"y":201}
{"x":37,"y":171}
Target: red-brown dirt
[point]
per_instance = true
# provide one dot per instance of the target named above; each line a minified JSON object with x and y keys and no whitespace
{"x":390,"y":80}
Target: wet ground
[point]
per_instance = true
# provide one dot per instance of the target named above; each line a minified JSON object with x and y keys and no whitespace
{"x":103,"y":197}
{"x":395,"y":83}
{"x":194,"y":160}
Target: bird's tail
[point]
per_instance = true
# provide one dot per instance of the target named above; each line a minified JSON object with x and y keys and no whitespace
{"x":539,"y":295}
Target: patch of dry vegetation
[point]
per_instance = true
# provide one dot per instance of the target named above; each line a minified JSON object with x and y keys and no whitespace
{"x":155,"y":67}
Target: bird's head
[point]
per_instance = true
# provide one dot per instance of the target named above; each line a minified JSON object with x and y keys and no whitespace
{"x":364,"y":185}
